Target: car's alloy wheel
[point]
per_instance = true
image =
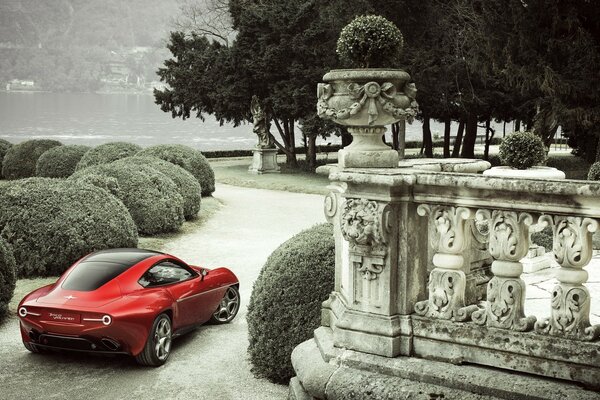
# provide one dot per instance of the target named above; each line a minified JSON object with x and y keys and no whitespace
{"x":228,"y":307}
{"x":158,"y":345}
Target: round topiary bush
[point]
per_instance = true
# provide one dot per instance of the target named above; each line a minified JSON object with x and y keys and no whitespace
{"x":20,"y":159}
{"x":60,"y":162}
{"x":153,"y":200}
{"x":594,"y":173}
{"x":187,"y":158}
{"x":522,"y":150}
{"x":543,"y":238}
{"x":51,"y":223}
{"x":285,"y":306}
{"x":188,"y":186}
{"x":370,"y":41}
{"x":106,"y":153}
{"x":8,"y":276}
{"x":4,"y":146}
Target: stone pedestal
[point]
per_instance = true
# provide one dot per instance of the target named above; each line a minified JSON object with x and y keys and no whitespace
{"x":535,"y":260}
{"x":264,"y":161}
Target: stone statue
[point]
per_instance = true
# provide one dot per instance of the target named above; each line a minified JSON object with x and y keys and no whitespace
{"x":261,"y":125}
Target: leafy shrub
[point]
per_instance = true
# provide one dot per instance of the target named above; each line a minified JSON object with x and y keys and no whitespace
{"x":51,"y":223}
{"x":108,"y":183}
{"x":188,"y":186}
{"x":152,"y":199}
{"x":106,"y":153}
{"x":370,"y":41}
{"x":20,"y":159}
{"x":4,"y":146}
{"x":187,"y":158}
{"x":60,"y":162}
{"x":8,"y":276}
{"x":285,"y":305}
{"x":522,"y":150}
{"x":543,"y":238}
{"x":594,"y":173}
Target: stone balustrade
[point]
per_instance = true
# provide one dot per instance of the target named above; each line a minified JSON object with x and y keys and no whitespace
{"x":428,"y":266}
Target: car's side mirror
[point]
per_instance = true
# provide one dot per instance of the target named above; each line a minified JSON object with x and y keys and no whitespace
{"x":204,"y":272}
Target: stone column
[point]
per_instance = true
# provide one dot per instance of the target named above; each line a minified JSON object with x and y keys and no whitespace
{"x":377,"y":285}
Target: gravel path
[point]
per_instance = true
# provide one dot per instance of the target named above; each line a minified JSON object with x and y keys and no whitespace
{"x":209,"y":363}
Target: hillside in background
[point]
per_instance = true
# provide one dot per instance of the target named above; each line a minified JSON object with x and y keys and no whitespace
{"x":82,"y":45}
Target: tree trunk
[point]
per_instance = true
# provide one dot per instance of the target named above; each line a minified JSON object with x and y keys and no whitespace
{"x":447,"y":126}
{"x":468,"y":147}
{"x":395,"y":131}
{"x":427,"y":141}
{"x":287,"y":136}
{"x":488,"y":139}
{"x":458,"y":139}
{"x":401,"y":139}
{"x":292,"y":160}
{"x":311,"y":153}
{"x":517,"y":125}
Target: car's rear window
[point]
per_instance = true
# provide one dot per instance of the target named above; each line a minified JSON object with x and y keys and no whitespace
{"x":90,"y":275}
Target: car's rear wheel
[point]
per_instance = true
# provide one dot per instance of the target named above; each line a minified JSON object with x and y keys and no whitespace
{"x":32,"y":347}
{"x":228,"y":307}
{"x":158,"y":345}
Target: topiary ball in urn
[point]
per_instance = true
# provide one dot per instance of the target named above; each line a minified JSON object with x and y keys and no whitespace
{"x":371,"y":96}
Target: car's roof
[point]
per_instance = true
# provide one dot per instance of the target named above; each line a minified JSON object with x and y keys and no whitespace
{"x":127,"y":257}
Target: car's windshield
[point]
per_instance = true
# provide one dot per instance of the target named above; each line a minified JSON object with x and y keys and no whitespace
{"x":90,"y":275}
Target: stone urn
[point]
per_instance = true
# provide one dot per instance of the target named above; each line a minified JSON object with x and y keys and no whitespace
{"x":365,"y":101}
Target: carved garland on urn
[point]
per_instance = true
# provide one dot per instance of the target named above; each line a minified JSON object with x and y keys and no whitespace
{"x":447,"y":281}
{"x":365,"y":224}
{"x":570,"y":306}
{"x":509,"y":242}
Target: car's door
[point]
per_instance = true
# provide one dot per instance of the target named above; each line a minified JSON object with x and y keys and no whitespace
{"x":182,"y":284}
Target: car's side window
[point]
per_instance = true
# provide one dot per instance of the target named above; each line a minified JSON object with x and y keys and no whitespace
{"x":165,"y":273}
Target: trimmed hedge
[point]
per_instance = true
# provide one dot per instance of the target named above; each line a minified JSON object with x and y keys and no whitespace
{"x":594,"y":172}
{"x":543,"y":238}
{"x":188,"y":186}
{"x":51,"y":223}
{"x":107,"y":153}
{"x":8,"y":276}
{"x":187,"y":158}
{"x":522,"y":150}
{"x":60,"y":162}
{"x":4,"y":146}
{"x":20,"y":159}
{"x":153,"y":200}
{"x":285,"y":305}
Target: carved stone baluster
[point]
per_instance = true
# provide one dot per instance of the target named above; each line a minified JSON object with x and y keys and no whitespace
{"x":509,"y":242}
{"x":447,"y":281}
{"x":570,"y":314}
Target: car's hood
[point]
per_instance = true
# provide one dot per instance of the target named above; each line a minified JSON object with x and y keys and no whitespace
{"x":74,"y":298}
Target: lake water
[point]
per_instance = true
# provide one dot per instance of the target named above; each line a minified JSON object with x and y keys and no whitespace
{"x":92,"y":119}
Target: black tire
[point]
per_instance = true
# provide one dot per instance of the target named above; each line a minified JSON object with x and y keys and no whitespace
{"x":32,"y":347}
{"x":158,"y":345}
{"x":228,"y":307}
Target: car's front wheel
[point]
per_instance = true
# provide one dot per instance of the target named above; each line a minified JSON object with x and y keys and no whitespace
{"x":228,"y":307}
{"x":158,"y":345}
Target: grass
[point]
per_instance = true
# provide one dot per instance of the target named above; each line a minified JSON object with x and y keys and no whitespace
{"x":235,"y":172}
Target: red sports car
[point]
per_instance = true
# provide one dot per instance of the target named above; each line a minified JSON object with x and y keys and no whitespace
{"x":128,"y":301}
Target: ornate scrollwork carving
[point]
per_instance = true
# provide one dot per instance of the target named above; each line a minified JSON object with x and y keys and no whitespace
{"x":570,"y":314}
{"x":505,"y":306}
{"x":449,"y":223}
{"x":366,"y":225}
{"x":370,"y":94}
{"x":331,"y":205}
{"x":509,"y":233}
{"x":446,"y":296}
{"x":572,"y":239}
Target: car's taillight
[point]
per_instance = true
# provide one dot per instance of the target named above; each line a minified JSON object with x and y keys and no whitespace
{"x":23,"y":312}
